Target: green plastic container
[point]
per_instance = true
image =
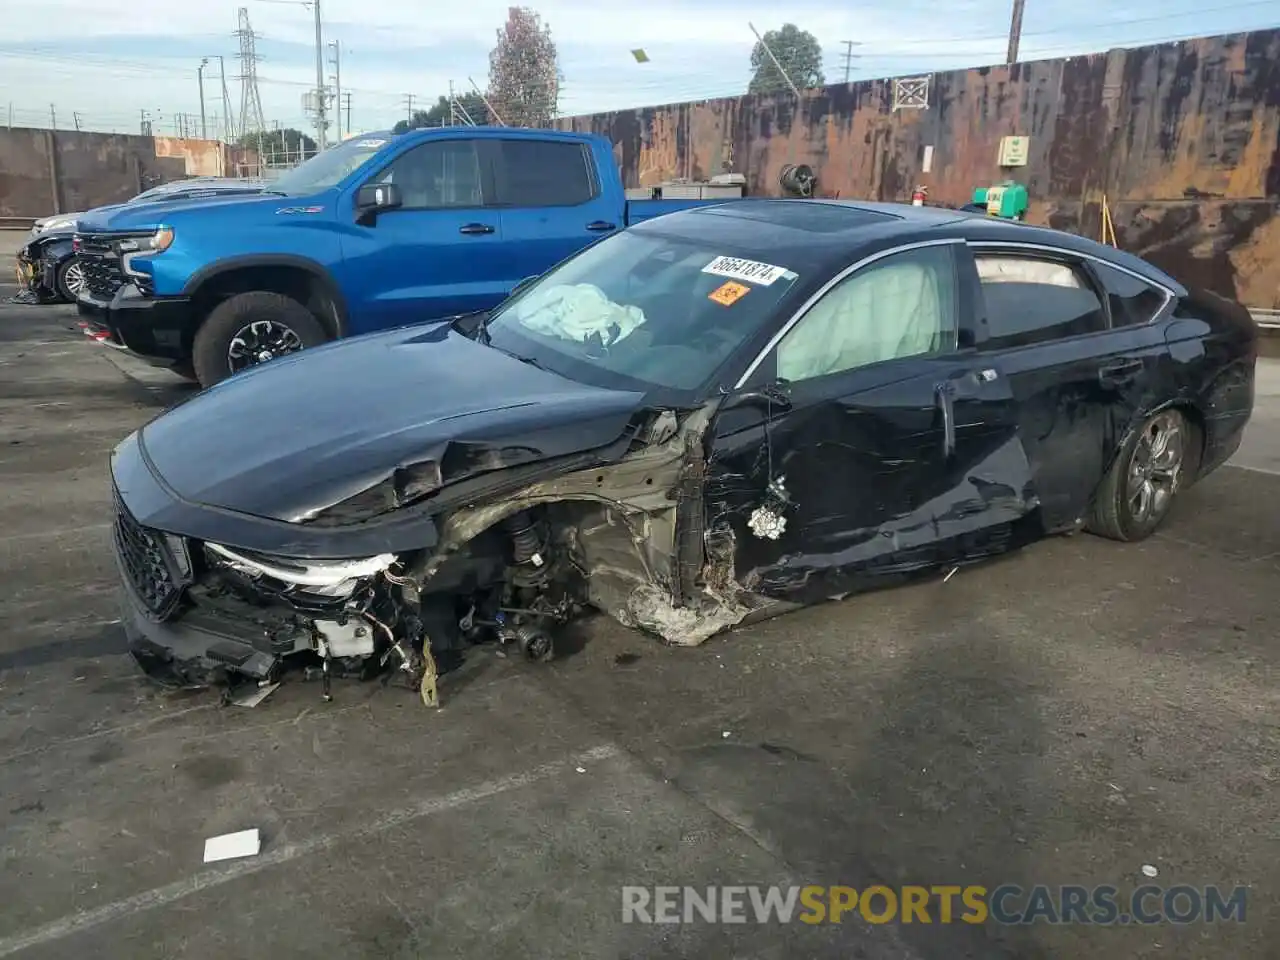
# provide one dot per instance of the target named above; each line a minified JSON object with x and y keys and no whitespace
{"x":1007,"y":200}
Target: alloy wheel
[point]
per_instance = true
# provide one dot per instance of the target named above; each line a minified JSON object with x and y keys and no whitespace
{"x":74,"y":279}
{"x":260,"y":341}
{"x":1156,"y":467}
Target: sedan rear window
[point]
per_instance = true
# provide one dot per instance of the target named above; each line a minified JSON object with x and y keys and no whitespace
{"x":1133,"y":301}
{"x":1030,"y":301}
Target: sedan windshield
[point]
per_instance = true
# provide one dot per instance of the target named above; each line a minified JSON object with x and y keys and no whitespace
{"x":641,"y":310}
{"x":329,"y":168}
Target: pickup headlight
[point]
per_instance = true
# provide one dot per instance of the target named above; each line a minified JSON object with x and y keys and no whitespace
{"x":133,"y":247}
{"x":158,"y":242}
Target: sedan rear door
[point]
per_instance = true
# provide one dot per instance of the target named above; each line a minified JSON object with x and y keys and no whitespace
{"x":1083,"y":362}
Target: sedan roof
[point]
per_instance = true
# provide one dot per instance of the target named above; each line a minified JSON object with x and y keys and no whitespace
{"x":822,"y":234}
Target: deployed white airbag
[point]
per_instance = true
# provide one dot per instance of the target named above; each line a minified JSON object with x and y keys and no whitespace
{"x":578,"y":312}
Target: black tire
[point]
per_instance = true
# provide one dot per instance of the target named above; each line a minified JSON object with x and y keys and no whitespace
{"x":209,"y":355}
{"x":61,"y":280}
{"x":186,"y":371}
{"x":1118,"y":512}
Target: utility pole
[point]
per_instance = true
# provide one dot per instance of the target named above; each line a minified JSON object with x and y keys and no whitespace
{"x":849,"y":57}
{"x":337,"y":89}
{"x":453,"y":113}
{"x":1015,"y":31}
{"x":347,"y":97}
{"x":321,"y":123}
{"x":228,"y":124}
{"x":485,"y":100}
{"x":204,"y":123}
{"x":75,"y":118}
{"x":408,"y":99}
{"x":53,"y":117}
{"x":10,"y":114}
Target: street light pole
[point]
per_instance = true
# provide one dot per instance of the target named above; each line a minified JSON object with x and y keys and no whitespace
{"x":320,"y":91}
{"x":204,"y":126}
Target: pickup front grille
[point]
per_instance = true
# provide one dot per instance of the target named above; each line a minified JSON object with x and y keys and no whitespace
{"x":102,"y":276}
{"x":103,"y":273}
{"x":148,"y":563}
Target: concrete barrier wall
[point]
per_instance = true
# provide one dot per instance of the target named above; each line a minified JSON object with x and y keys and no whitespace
{"x":48,"y":171}
{"x":1183,"y":139}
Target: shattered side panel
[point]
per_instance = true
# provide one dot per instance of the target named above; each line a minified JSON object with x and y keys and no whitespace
{"x":619,"y":523}
{"x":870,"y":484}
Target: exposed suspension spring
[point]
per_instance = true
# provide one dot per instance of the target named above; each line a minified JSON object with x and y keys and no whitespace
{"x":528,"y":549}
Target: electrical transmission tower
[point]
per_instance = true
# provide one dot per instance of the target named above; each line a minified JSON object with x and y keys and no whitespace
{"x":251,"y":116}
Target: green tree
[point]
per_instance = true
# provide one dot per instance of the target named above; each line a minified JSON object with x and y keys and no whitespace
{"x":524,"y":79}
{"x":799,"y":53}
{"x":280,"y":146}
{"x":468,"y":108}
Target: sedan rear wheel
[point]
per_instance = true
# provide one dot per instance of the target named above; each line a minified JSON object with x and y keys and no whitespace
{"x":1137,"y":492}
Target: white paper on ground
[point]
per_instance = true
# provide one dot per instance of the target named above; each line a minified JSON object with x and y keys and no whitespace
{"x":254,"y":697}
{"x":229,"y":846}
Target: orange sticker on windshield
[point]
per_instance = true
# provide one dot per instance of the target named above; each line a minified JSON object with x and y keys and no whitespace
{"x":728,"y":293}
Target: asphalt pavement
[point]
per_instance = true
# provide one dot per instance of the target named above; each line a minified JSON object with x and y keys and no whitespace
{"x":1067,"y":715}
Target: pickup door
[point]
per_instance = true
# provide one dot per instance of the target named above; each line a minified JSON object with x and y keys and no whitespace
{"x":553,"y":198}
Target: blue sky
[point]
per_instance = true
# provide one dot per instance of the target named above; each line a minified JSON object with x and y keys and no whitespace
{"x":107,"y":68}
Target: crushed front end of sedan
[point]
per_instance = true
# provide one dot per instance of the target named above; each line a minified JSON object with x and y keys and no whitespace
{"x":485,"y":542}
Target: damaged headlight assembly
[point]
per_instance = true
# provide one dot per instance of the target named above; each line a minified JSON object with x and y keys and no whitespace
{"x":343,"y":626}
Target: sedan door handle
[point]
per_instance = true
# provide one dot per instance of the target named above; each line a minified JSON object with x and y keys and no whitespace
{"x":1119,"y":373}
{"x":601,"y":225}
{"x":944,"y":394}
{"x":475,"y":228}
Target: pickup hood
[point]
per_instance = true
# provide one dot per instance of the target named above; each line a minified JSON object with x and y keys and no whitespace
{"x":145,"y":216}
{"x":294,"y":436}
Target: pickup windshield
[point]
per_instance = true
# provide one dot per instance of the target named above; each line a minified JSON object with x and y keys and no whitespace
{"x":641,"y":311}
{"x":329,"y":168}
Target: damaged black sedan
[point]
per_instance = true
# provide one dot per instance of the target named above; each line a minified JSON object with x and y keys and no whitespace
{"x":709,"y":418}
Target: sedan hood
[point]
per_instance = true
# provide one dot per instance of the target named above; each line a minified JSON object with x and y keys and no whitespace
{"x":299,"y":434}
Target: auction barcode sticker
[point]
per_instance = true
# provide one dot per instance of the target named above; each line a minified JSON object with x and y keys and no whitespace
{"x":751,"y":271}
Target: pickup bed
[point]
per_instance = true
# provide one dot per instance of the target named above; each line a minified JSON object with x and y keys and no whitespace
{"x":380,"y":231}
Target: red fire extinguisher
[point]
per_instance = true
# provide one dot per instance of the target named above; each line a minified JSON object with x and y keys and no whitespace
{"x":919,"y":196}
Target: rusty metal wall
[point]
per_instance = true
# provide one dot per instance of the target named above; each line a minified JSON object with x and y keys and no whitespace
{"x":47,"y":171}
{"x":1183,"y":139}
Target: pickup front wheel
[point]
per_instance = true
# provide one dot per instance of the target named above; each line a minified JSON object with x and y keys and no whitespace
{"x":252,"y":328}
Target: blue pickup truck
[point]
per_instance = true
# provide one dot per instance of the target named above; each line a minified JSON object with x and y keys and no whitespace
{"x":380,"y":231}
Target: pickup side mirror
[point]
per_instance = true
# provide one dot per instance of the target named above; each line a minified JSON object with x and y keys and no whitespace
{"x":373,"y":198}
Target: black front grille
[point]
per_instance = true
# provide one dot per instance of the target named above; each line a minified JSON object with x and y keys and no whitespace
{"x":148,"y":563}
{"x":102,"y":274}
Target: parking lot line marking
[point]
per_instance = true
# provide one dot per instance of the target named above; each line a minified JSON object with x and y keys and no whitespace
{"x":1252,"y":469}
{"x":181,"y":889}
{"x":60,"y":532}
